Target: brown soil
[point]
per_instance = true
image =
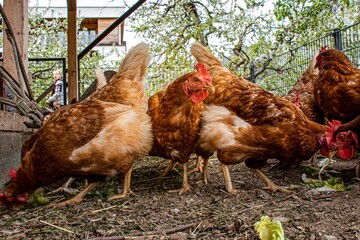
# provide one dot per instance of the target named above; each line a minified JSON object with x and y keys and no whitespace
{"x":207,"y":212}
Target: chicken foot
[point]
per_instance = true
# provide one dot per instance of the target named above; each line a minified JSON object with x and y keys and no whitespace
{"x":66,"y":187}
{"x":269,"y":183}
{"x":185,"y":183}
{"x":78,"y":198}
{"x":126,"y":188}
{"x":228,"y":184}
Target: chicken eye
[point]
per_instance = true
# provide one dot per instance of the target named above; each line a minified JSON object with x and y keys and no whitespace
{"x":332,"y":147}
{"x":341,"y":137}
{"x":195,"y":79}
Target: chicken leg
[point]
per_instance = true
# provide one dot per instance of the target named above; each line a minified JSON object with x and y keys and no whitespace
{"x":199,"y":165}
{"x":168,"y":169}
{"x":269,"y":183}
{"x":126,"y":188}
{"x":78,"y":198}
{"x":228,"y":184}
{"x":185,"y":183}
{"x":204,"y":172}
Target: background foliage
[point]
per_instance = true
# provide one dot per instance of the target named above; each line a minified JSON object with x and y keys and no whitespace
{"x":240,"y":33}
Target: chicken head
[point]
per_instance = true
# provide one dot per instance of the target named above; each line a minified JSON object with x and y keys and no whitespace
{"x":198,"y":86}
{"x":8,"y":197}
{"x":343,"y":143}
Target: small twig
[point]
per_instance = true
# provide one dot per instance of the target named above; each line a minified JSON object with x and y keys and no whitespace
{"x":292,"y":195}
{"x":63,"y":229}
{"x":149,"y":233}
{"x":193,"y":232}
{"x":104,"y":209}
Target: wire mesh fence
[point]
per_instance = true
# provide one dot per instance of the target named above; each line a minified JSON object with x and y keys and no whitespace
{"x":282,"y":73}
{"x":285,"y":69}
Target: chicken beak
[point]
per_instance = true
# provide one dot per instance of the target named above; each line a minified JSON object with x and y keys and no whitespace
{"x":332,"y":154}
{"x":210,"y":88}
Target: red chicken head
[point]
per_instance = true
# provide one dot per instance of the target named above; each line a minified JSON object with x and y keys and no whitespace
{"x":198,"y":86}
{"x":343,"y":144}
{"x":7,"y":197}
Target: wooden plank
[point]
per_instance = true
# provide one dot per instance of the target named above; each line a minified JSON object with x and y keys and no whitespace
{"x":17,"y":13}
{"x":72,"y":53}
{"x":13,"y":122}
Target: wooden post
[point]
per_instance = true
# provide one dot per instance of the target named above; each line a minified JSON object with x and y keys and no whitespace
{"x":17,"y":13}
{"x":72,"y":51}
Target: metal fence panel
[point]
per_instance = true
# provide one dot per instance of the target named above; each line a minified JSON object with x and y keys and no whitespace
{"x":285,"y":69}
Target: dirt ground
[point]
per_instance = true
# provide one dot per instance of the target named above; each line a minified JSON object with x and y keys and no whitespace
{"x":207,"y":212}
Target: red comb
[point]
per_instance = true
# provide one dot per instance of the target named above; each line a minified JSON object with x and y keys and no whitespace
{"x":323,"y":48}
{"x":297,"y":100}
{"x":12,"y":173}
{"x":201,"y":69}
{"x":329,"y":133}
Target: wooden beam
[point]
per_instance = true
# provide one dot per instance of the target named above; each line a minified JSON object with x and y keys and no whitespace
{"x":72,"y":52}
{"x":71,"y":5}
{"x":17,"y":13}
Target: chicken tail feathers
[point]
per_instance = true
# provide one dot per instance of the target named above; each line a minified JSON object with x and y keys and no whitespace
{"x":203,"y":55}
{"x":135,"y":63}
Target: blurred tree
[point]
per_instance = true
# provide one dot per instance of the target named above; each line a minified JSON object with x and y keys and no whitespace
{"x":240,"y":33}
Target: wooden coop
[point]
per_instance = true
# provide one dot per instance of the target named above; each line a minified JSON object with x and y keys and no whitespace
{"x":20,"y":115}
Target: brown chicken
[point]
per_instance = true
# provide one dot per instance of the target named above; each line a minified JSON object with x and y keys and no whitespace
{"x":101,"y":79}
{"x":175,"y":115}
{"x":252,"y":125}
{"x":302,"y":93}
{"x":337,"y":88}
{"x":98,"y":137}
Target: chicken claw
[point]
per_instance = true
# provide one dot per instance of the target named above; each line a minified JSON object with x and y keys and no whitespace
{"x":65,"y":188}
{"x":126,"y":188}
{"x":78,"y":198}
{"x":270,"y":185}
{"x":185,"y":183}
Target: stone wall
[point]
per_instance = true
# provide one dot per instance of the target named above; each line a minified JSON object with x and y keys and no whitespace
{"x":13,"y":133}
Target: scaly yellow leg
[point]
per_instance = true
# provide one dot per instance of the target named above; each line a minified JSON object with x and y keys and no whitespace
{"x":78,"y":198}
{"x":228,"y":184}
{"x":269,"y":183}
{"x":199,"y":165}
{"x":185,"y":183}
{"x":204,"y":173}
{"x":126,"y":188}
